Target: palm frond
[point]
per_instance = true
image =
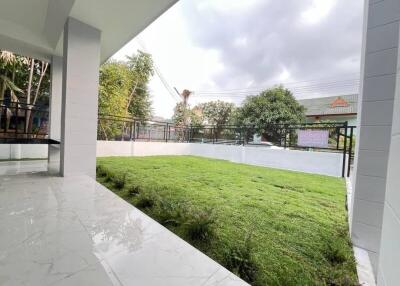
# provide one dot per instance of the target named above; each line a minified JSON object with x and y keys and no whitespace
{"x":7,"y":57}
{"x":8,"y":83}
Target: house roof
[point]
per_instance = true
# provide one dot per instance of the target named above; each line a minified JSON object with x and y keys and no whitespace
{"x":332,"y":105}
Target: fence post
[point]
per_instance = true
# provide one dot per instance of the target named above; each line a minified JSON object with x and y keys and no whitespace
{"x":134,"y":130}
{"x":285,"y":137}
{"x":344,"y":149}
{"x":350,"y":151}
{"x":16,"y":120}
{"x":131,"y":132}
{"x":337,"y":138}
{"x":25,"y":125}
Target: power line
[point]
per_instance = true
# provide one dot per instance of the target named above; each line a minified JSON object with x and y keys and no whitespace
{"x":336,"y":83}
{"x":312,"y":81}
{"x":350,"y":85}
{"x":351,"y":81}
{"x":165,"y":83}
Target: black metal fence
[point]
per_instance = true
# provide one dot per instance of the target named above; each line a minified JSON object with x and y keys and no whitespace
{"x":20,"y":120}
{"x":336,"y":137}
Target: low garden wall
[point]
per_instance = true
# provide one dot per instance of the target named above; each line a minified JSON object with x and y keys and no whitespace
{"x":23,"y":151}
{"x":323,"y":163}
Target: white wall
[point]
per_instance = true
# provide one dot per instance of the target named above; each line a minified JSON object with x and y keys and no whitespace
{"x":311,"y":162}
{"x":389,"y":259}
{"x":23,"y":151}
{"x":379,"y":72}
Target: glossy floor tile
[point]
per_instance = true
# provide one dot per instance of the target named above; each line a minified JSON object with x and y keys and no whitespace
{"x":22,"y":167}
{"x":73,"y":231}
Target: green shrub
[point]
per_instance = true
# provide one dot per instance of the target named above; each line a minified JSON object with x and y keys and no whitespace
{"x":239,"y":260}
{"x":199,"y":225}
{"x":134,"y":190}
{"x":340,"y":278}
{"x":335,"y":252}
{"x":170,"y":214}
{"x":119,"y":181}
{"x":101,"y":171}
{"x":146,"y":201}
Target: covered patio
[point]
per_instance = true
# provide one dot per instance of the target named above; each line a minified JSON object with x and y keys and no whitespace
{"x":60,"y":227}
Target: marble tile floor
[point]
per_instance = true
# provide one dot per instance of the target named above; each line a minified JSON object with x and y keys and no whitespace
{"x":74,"y":231}
{"x":22,"y":167}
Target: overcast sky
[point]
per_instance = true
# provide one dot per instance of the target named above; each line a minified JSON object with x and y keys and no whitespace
{"x":227,"y":49}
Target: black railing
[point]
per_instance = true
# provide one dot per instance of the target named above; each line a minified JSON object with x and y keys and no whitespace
{"x":322,"y":137}
{"x":21,"y":120}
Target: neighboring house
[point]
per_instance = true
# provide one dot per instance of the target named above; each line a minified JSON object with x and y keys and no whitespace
{"x":333,"y":108}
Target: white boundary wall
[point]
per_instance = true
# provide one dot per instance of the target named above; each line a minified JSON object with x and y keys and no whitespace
{"x":23,"y":151}
{"x":323,"y":163}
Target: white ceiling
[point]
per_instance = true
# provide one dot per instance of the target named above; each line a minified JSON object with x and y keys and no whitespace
{"x":35,"y":27}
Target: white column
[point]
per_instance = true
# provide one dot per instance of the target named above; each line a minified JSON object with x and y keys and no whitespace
{"x":55,"y":114}
{"x":79,"y":98}
{"x":55,"y":98}
{"x":379,"y":72}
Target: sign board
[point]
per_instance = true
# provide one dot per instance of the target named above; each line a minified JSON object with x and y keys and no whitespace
{"x":313,"y":138}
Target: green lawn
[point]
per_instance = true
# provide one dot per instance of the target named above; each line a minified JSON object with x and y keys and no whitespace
{"x":271,"y":227}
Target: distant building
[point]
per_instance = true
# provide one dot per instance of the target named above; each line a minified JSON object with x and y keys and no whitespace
{"x":334,"y":108}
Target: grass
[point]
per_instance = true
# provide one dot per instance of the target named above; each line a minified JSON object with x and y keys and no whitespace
{"x":270,"y":227}
{"x":23,"y":159}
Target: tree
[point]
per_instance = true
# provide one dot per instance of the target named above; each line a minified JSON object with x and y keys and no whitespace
{"x":8,"y":66}
{"x":30,"y":78}
{"x":213,"y":113}
{"x":217,"y":112}
{"x":113,"y":95}
{"x":27,"y":80}
{"x":196,"y":116}
{"x":185,"y":116}
{"x":123,"y":92}
{"x":273,"y":106}
{"x":181,"y":113}
{"x":114,"y":87}
{"x":141,"y":68}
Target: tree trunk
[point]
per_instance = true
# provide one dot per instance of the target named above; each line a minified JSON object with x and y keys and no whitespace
{"x":43,"y":73}
{"x":29,"y":91}
{"x":127,"y":108}
{"x":28,"y":96}
{"x":44,"y":67}
{"x":2,"y":89}
{"x":104,"y":131}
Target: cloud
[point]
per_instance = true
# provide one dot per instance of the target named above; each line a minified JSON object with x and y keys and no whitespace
{"x":214,"y":45}
{"x":318,"y":11}
{"x":305,"y":39}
